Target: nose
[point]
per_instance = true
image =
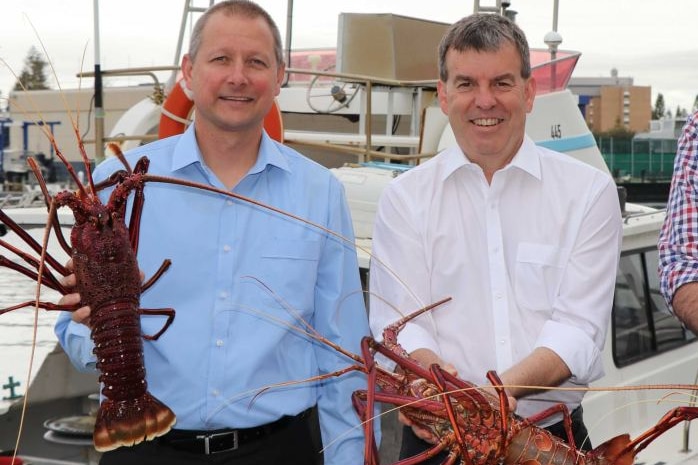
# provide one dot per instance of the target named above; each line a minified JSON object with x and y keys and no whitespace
{"x":236,"y":73}
{"x":485,"y":97}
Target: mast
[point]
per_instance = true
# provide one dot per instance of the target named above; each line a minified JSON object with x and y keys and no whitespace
{"x":99,"y":106}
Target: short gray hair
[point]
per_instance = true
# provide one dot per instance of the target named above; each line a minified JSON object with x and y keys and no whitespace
{"x":245,"y":8}
{"x":484,"y":32}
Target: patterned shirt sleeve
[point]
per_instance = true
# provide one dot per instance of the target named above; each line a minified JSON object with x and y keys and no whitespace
{"x":678,"y":240}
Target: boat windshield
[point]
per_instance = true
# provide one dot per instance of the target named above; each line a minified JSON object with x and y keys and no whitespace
{"x":552,"y":75}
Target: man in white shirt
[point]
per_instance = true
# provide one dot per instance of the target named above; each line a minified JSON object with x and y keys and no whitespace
{"x":525,"y":240}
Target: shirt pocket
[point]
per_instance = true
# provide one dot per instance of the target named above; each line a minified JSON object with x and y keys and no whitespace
{"x":291,"y":266}
{"x":538,"y":273}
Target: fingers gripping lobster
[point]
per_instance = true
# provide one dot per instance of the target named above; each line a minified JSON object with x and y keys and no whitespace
{"x":103,"y":251}
{"x":473,"y":425}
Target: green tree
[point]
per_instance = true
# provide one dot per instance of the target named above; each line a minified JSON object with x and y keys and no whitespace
{"x":659,"y":107}
{"x":33,"y":76}
{"x":695,"y":105}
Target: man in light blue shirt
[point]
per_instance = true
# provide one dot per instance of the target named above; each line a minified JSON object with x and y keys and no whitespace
{"x":240,"y":273}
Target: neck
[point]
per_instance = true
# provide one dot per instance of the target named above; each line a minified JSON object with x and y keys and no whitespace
{"x":230,"y":155}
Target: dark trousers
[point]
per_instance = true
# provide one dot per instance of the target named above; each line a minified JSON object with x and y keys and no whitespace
{"x":293,"y":445}
{"x":412,"y":445}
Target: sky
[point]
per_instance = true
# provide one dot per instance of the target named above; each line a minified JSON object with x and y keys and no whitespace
{"x":648,"y":40}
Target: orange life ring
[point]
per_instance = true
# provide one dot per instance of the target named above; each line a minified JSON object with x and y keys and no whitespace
{"x":178,"y":106}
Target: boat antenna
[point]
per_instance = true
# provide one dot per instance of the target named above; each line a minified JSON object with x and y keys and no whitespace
{"x":99,"y":105}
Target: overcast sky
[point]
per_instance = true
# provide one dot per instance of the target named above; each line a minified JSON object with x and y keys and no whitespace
{"x":648,"y":40}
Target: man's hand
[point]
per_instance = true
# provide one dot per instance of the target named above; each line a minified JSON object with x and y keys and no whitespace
{"x":81,"y":315}
{"x":426,"y":358}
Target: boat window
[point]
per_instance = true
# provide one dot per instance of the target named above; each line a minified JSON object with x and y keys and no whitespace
{"x":642,"y":324}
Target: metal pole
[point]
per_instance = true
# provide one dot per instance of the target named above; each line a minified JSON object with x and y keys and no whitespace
{"x":289,"y":35}
{"x":99,"y":106}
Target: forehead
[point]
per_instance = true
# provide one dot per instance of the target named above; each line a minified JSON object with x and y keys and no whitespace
{"x":238,"y":28}
{"x":471,"y":62}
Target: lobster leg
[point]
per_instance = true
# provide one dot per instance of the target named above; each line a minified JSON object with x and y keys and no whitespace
{"x":566,"y":420}
{"x":668,"y":421}
{"x":45,"y":305}
{"x":30,"y":241}
{"x":52,"y":217}
{"x":165,"y":265}
{"x":370,"y":448}
{"x":358,"y":401}
{"x":169,"y":312}
{"x":47,"y":278}
{"x":438,"y":376}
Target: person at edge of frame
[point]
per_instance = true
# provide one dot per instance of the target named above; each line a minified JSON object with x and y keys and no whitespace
{"x":678,"y":256}
{"x":525,"y":240}
{"x":230,"y":261}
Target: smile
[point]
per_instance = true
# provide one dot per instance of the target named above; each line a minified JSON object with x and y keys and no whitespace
{"x":486,"y":121}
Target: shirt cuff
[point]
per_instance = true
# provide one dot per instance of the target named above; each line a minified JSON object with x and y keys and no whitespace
{"x":575,"y":348}
{"x":80,"y":345}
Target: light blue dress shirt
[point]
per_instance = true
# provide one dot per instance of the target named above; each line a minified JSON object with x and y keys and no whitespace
{"x":239,"y":275}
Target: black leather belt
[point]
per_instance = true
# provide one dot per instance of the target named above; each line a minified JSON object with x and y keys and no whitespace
{"x":224,"y":440}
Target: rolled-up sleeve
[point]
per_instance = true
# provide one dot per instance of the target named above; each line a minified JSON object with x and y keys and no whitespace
{"x":582,"y":307}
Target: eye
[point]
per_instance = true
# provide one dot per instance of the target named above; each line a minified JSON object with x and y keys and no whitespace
{"x":505,"y":84}
{"x":220,"y":59}
{"x":258,"y":63}
{"x":463,"y":85}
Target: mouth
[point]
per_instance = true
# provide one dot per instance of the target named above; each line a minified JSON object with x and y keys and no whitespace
{"x":233,"y":98}
{"x":486,"y":122}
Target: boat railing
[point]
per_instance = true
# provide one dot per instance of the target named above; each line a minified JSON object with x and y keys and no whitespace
{"x":359,"y":146}
{"x":158,"y":97}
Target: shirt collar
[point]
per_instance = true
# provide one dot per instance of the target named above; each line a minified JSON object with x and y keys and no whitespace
{"x":526,"y":159}
{"x":187,"y":152}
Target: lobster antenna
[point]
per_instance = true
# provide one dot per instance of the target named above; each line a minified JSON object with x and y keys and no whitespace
{"x":73,"y":120}
{"x":374,"y":259}
{"x":32,"y":355}
{"x":43,"y":126}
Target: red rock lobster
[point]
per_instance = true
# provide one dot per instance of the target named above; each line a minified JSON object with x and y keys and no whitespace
{"x":475,"y":426}
{"x":103,"y":252}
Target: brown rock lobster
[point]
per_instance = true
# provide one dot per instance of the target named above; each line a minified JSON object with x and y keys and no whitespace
{"x":475,"y":426}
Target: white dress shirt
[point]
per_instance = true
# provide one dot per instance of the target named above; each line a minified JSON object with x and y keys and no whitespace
{"x":530,"y":261}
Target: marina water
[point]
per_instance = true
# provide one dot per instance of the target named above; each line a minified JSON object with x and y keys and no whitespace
{"x":17,"y":328}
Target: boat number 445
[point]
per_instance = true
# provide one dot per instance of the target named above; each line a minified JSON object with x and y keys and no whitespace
{"x":556,"y":131}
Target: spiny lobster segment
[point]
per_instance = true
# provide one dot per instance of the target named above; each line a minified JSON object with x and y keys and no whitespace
{"x":103,"y":251}
{"x":474,"y":426}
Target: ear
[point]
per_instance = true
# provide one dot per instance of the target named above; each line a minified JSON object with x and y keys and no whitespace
{"x":187,"y":70}
{"x":530,"y":93}
{"x":441,"y":92}
{"x":280,"y":76}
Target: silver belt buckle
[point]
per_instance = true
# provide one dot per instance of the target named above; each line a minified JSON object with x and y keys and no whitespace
{"x":207,"y":439}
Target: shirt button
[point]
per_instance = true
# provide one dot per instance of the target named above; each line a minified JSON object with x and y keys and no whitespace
{"x":229,"y":202}
{"x":223,"y":295}
{"x":219,"y":343}
{"x":497,"y":295}
{"x":215,"y":392}
{"x":226,"y":248}
{"x":502,"y":341}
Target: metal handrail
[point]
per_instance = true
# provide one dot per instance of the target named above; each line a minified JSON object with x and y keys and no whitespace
{"x":364,"y":154}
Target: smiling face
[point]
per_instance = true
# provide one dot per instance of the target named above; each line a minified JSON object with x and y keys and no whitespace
{"x":486,"y":101}
{"x":235,"y":75}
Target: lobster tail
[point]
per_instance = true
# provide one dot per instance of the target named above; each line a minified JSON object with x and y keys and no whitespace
{"x":129,"y":422}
